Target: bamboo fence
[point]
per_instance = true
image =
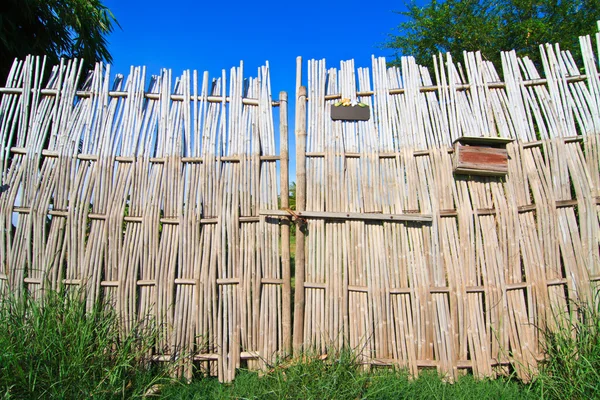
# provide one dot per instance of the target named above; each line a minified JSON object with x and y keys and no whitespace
{"x":159,"y":196}
{"x":148,"y":198}
{"x":412,"y":266}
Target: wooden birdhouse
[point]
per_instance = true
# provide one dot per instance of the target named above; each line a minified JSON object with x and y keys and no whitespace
{"x":485,"y":156}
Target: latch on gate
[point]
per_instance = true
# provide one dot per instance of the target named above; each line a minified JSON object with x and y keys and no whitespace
{"x":485,"y":156}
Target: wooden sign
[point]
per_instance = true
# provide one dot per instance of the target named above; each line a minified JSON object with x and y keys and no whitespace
{"x":350,"y":113}
{"x":485,"y":156}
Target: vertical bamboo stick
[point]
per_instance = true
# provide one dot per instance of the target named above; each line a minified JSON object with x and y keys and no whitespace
{"x":300,"y":205}
{"x":285,"y":227}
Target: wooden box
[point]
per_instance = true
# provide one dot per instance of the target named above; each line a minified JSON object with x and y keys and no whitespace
{"x":350,"y":113}
{"x":485,"y":156}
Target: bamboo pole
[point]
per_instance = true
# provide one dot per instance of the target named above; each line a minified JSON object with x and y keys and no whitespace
{"x":300,"y":205}
{"x":285,"y":227}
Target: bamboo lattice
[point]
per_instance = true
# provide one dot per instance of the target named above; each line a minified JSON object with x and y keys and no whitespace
{"x":160,"y":197}
{"x":493,"y":259}
{"x":148,"y":197}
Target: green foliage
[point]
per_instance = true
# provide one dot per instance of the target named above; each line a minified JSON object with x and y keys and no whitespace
{"x":55,"y":28}
{"x":341,"y":377}
{"x":58,"y":350}
{"x":308,"y":378}
{"x":493,"y":26}
{"x":572,"y":369}
{"x":429,"y":385}
{"x":293,"y":196}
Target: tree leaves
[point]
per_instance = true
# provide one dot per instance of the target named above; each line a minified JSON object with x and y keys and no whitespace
{"x":492,"y":26}
{"x":55,"y":28}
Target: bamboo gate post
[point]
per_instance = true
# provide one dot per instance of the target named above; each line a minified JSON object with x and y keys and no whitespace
{"x":285,"y":227}
{"x":300,"y":206}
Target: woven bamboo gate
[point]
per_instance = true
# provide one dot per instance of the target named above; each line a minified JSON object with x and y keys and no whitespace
{"x":410,"y":265}
{"x":149,"y":198}
{"x":159,"y":196}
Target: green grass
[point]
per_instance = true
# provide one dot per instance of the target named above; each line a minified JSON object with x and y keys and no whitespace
{"x":429,"y":385}
{"x":341,"y":378}
{"x":57,"y":350}
{"x":572,"y":370}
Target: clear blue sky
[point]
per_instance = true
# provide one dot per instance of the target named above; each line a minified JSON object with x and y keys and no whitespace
{"x":215,"y":35}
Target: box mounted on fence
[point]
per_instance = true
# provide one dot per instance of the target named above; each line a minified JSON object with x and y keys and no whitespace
{"x":485,"y":156}
{"x":344,"y":110}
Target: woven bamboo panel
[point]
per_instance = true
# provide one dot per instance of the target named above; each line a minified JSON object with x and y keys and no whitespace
{"x":145,"y":192}
{"x":500,"y":258}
